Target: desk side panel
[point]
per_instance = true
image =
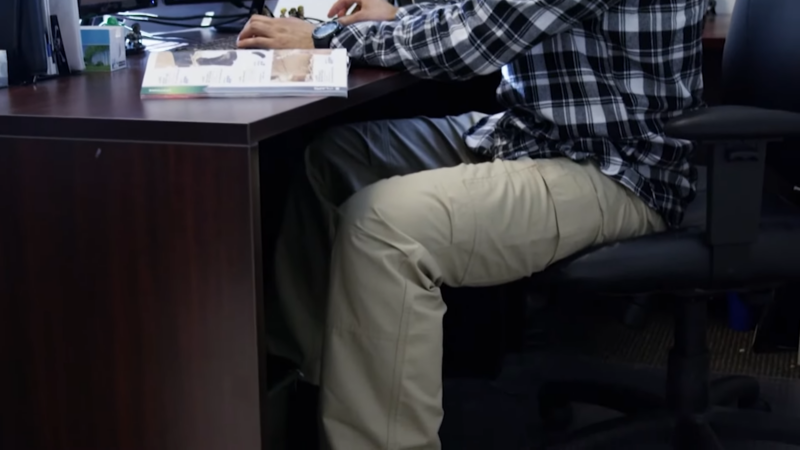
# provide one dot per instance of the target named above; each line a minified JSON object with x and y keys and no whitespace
{"x":127,"y":297}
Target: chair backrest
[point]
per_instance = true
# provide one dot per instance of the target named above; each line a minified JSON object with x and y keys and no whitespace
{"x":761,"y":60}
{"x":761,"y":67}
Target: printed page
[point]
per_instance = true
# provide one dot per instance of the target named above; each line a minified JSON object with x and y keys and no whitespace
{"x":226,"y":72}
{"x":208,"y":67}
{"x":310,"y":68}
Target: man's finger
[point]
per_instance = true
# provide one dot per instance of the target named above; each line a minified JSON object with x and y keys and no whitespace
{"x":257,"y":28}
{"x":248,"y":30}
{"x":340,"y":7}
{"x":260,"y":18}
{"x":338,"y":13}
{"x":351,"y":19}
{"x":255,"y":42}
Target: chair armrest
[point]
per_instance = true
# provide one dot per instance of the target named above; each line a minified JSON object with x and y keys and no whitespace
{"x":737,"y":139}
{"x":734,"y":123}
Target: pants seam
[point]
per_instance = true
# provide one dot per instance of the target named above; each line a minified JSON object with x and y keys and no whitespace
{"x":398,"y":370}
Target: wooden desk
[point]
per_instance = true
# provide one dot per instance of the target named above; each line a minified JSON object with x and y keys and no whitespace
{"x":130,"y":262}
{"x":714,"y":35}
{"x":716,"y":31}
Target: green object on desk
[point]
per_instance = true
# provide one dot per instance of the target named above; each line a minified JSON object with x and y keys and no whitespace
{"x":110,"y":21}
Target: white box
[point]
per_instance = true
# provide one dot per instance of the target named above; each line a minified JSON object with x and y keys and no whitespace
{"x":3,"y":69}
{"x":103,"y":48}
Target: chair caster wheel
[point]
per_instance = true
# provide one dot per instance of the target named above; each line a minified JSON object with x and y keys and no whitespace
{"x":757,"y":404}
{"x":558,"y":418}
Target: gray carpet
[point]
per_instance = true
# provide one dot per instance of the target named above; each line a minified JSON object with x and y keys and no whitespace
{"x":730,"y":349}
{"x":501,"y":414}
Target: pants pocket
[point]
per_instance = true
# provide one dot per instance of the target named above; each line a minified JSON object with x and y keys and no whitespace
{"x":578,"y":215}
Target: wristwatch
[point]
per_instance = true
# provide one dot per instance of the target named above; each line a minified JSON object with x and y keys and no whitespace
{"x":323,"y":34}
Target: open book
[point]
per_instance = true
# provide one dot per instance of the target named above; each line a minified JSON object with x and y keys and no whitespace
{"x":246,"y":73}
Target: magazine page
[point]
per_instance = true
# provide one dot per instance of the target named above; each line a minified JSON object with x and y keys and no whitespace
{"x":246,"y":73}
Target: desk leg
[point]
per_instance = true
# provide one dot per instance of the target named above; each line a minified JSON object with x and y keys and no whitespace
{"x":130,"y":289}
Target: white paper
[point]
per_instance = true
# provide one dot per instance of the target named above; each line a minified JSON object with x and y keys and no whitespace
{"x":52,"y":68}
{"x":3,"y":69}
{"x":69,"y":21}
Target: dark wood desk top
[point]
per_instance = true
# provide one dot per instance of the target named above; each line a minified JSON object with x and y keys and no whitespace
{"x":108,"y":107}
{"x":716,"y":31}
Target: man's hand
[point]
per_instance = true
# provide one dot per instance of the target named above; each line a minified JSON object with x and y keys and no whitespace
{"x":271,"y":33}
{"x":367,"y":10}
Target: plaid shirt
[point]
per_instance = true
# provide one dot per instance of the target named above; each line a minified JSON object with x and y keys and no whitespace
{"x":581,"y":78}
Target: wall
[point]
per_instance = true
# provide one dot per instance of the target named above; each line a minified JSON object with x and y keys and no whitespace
{"x":725,"y":6}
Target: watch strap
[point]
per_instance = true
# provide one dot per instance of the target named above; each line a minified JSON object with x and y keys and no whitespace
{"x":325,"y":41}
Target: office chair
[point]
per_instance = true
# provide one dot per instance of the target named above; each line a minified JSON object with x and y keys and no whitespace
{"x":736,"y":236}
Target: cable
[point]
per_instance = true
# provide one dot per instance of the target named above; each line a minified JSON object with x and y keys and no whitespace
{"x":155,"y":37}
{"x":168,"y":39}
{"x":187,"y":25}
{"x":146,"y":16}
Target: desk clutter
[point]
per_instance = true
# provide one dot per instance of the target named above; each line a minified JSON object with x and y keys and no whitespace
{"x":41,"y":38}
{"x":49,"y":38}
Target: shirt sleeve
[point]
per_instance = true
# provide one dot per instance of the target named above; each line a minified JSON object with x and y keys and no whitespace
{"x":458,"y":40}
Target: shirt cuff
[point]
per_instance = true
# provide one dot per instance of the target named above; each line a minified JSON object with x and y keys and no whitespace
{"x":351,"y":38}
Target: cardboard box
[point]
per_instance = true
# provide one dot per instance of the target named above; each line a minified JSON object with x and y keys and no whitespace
{"x":3,"y":69}
{"x":104,"y":48}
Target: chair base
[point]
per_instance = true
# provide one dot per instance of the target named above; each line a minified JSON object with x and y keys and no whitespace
{"x":556,"y":398}
{"x":703,"y":432}
{"x":694,"y":414}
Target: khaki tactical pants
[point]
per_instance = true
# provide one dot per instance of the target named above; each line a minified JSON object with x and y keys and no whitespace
{"x":390,"y":211}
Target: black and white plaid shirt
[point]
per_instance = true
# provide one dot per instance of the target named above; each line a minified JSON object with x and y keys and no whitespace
{"x":581,"y":78}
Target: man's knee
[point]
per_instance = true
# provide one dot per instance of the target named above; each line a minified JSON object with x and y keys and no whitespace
{"x":406,"y":218}
{"x":378,"y":206}
{"x":408,"y":208}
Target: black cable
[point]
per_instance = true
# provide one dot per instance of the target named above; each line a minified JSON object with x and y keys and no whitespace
{"x":268,"y":11}
{"x":168,"y":39}
{"x":145,"y":16}
{"x":185,"y":25}
{"x":152,"y":37}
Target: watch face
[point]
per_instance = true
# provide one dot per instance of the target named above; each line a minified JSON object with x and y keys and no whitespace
{"x":326,"y":29}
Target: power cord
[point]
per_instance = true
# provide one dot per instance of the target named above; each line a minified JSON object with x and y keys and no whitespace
{"x":147,"y":16}
{"x":187,"y":25}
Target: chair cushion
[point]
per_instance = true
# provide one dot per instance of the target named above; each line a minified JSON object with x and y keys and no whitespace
{"x":678,"y":260}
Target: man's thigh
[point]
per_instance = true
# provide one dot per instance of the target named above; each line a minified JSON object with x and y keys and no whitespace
{"x":347,"y":158}
{"x":496,"y":222}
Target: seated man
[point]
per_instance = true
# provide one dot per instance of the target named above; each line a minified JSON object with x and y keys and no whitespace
{"x":391,"y":210}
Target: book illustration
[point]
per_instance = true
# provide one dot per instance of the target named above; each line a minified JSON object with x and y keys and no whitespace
{"x":225,"y":58}
{"x":286,"y":65}
{"x":59,"y":51}
{"x":293,"y":65}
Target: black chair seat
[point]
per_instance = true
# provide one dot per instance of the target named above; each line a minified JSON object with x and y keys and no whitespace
{"x":678,"y":260}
